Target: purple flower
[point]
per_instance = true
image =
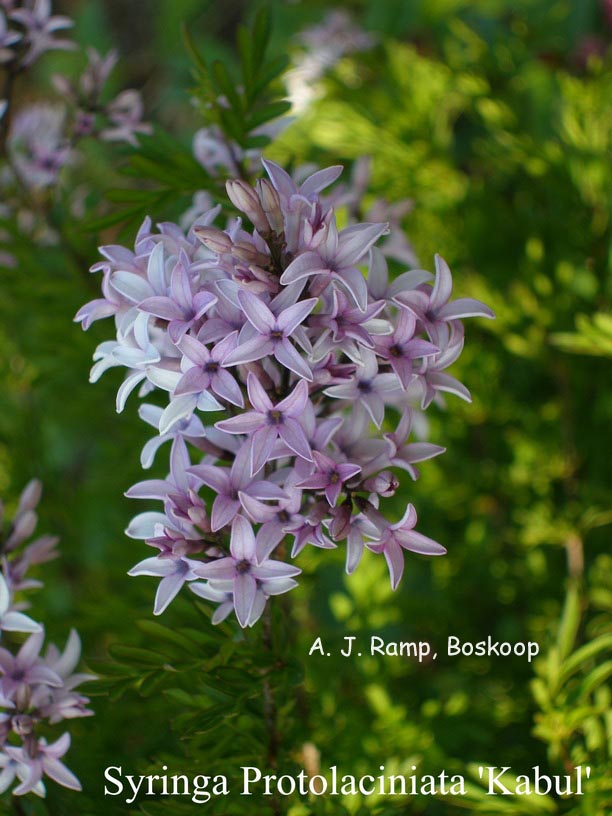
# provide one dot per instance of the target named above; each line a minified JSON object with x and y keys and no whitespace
{"x":367,"y":387}
{"x":173,"y":571}
{"x":125,"y":114}
{"x":402,"y":536}
{"x":63,"y":703}
{"x":403,"y":455}
{"x":43,"y":759}
{"x":7,"y":39}
{"x":25,"y":668}
{"x":191,"y":429}
{"x":348,"y":329}
{"x":272,"y":334}
{"x":40,"y":28}
{"x":204,"y":369}
{"x":336,"y":259}
{"x":233,"y":487}
{"x":282,"y":313}
{"x":183,"y":307}
{"x":38,"y":145}
{"x":10,"y":620}
{"x":433,"y":305}
{"x":379,"y":286}
{"x":329,"y":476}
{"x":247,"y":564}
{"x":402,"y":347}
{"x":267,"y":422}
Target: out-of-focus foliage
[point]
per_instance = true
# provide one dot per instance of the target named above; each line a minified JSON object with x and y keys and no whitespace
{"x":494,"y":118}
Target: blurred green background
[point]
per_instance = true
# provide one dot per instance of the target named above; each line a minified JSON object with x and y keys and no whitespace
{"x":495,"y":119}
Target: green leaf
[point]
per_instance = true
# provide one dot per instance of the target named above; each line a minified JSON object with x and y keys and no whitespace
{"x":595,"y":678}
{"x":272,"y":111}
{"x":135,"y":655}
{"x":570,"y":621}
{"x":261,"y":37}
{"x":161,"y":632}
{"x":226,"y":86}
{"x":584,"y":654}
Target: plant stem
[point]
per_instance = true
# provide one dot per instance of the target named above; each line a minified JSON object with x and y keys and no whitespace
{"x":269,"y":701}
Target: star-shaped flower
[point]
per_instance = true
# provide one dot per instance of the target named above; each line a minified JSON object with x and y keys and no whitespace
{"x":266,"y":422}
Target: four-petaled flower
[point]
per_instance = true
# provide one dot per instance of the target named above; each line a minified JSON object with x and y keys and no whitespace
{"x":266,"y":422}
{"x":402,"y":536}
{"x":329,"y":476}
{"x":204,"y":369}
{"x":247,"y":564}
{"x":272,"y":334}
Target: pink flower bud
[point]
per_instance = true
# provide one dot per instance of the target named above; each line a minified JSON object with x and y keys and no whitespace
{"x":384,"y":484}
{"x":270,"y":202}
{"x":214,"y":239}
{"x":244,"y":198}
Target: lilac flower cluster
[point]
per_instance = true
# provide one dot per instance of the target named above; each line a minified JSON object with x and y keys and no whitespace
{"x":35,"y":689}
{"x":38,"y":140}
{"x":316,"y":362}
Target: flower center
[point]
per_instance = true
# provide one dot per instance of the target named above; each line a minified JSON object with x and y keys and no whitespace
{"x":243,"y":566}
{"x":275,"y":417}
{"x":211,"y":367}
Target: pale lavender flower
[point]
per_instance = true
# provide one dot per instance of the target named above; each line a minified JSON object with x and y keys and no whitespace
{"x":402,"y":536}
{"x":44,"y":759}
{"x":282,"y":307}
{"x":223,"y":597}
{"x":40,"y":29}
{"x":401,"y":348}
{"x":25,"y":668}
{"x":63,"y":703}
{"x":33,"y":689}
{"x":233,"y":487}
{"x":38,"y":145}
{"x":272,"y":334}
{"x":368,"y":387}
{"x":335,"y":258}
{"x":247,"y":564}
{"x":10,"y":620}
{"x":125,"y":115}
{"x":432,"y":305}
{"x":190,"y":429}
{"x":266,"y":422}
{"x":183,"y":306}
{"x":8,"y":38}
{"x":404,"y":455}
{"x":173,"y":571}
{"x":379,"y":285}
{"x":329,"y":476}
{"x":204,"y":369}
{"x":348,"y":329}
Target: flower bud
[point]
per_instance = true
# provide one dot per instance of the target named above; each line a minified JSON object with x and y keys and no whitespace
{"x":214,"y":239}
{"x":246,"y":252}
{"x":22,"y":724}
{"x":23,"y":527}
{"x":30,"y":496}
{"x":341,"y":521}
{"x":270,"y":202}
{"x":245,"y":199}
{"x":384,"y":483}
